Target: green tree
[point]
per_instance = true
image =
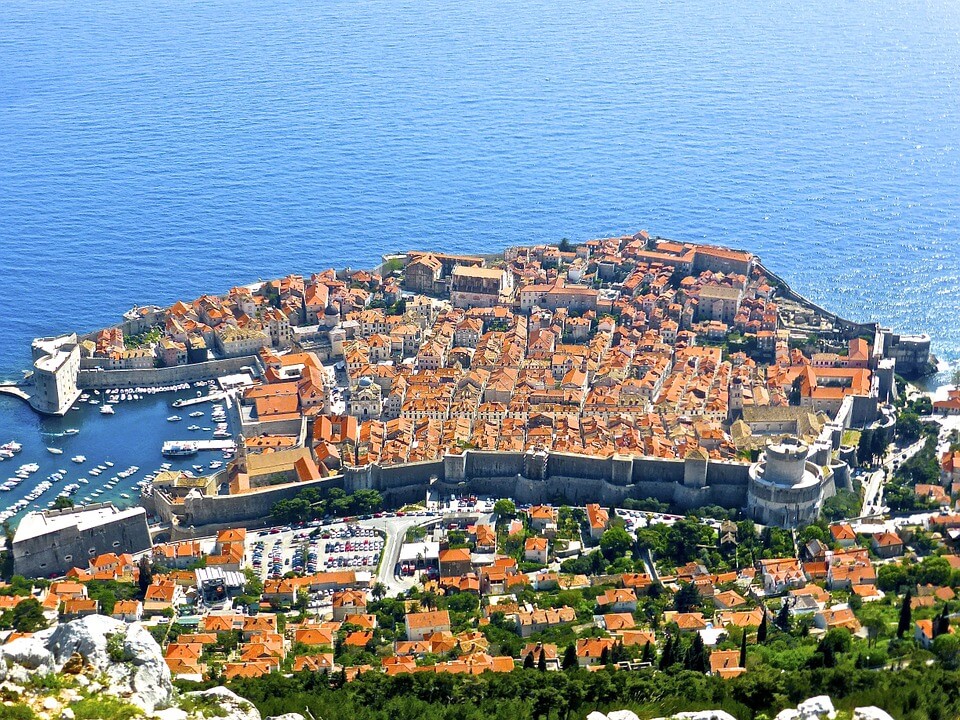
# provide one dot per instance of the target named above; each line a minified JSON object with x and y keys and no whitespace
{"x":687,"y":598}
{"x":27,"y":616}
{"x":865,"y":447}
{"x":569,"y":657}
{"x":542,"y":662}
{"x":528,"y":661}
{"x":145,"y":574}
{"x":904,"y":623}
{"x":615,"y":543}
{"x":62,"y":503}
{"x":762,"y":630}
{"x":743,"y":650}
{"x":505,"y":508}
{"x":947,"y":649}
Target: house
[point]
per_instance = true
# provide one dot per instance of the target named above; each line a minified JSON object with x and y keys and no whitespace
{"x":687,"y":622}
{"x":726,"y":663}
{"x":590,"y":651}
{"x":538,"y":620}
{"x":616,"y":622}
{"x":455,"y":562}
{"x":79,"y":607}
{"x":837,"y":616}
{"x":887,"y":545}
{"x":542,"y":517}
{"x":617,"y":600}
{"x":162,"y":595}
{"x":535,"y":550}
{"x":347,"y":603}
{"x":421,"y":625}
{"x":843,"y":535}
{"x":598,"y":519}
{"x":127,"y":610}
{"x":548,"y":650}
{"x":728,"y":599}
{"x":740,"y":618}
{"x":781,"y":574}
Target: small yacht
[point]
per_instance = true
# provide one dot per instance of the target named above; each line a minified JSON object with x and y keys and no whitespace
{"x":55,"y":451}
{"x":79,"y":458}
{"x":71,"y":431}
{"x":107,"y":410}
{"x":174,"y":418}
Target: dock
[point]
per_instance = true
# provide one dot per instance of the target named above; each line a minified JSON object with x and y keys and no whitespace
{"x":15,"y":390}
{"x":201,"y":444}
{"x":212,"y":397}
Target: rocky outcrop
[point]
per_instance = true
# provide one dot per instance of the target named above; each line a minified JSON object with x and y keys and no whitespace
{"x":287,"y":716}
{"x":124,"y":658}
{"x":225,"y":704}
{"x":816,"y":708}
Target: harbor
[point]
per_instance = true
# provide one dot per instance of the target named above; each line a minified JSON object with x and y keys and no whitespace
{"x":89,"y":456}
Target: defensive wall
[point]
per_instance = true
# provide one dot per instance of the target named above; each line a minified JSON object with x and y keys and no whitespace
{"x":528,"y":477}
{"x":96,"y":379}
{"x":848,"y":328}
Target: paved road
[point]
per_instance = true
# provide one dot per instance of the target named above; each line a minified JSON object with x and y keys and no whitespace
{"x":873,"y":487}
{"x":395,"y":530}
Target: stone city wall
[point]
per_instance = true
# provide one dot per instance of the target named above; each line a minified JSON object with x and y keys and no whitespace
{"x":153,"y":377}
{"x":569,"y":478}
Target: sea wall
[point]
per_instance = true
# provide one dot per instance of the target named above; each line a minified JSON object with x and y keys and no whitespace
{"x":90,"y":379}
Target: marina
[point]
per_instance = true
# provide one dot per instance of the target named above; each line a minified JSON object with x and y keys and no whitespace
{"x":106,"y":453}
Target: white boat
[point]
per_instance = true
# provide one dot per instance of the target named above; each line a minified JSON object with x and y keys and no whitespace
{"x":108,"y":463}
{"x":107,"y":410}
{"x":55,"y":451}
{"x":71,"y":431}
{"x":174,"y":418}
{"x":79,"y":458}
{"x":124,"y":496}
{"x":12,"y":446}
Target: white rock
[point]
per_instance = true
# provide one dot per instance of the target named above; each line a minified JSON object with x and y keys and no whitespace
{"x":870,"y":713}
{"x":817,"y":708}
{"x":51,"y":703}
{"x":788,"y":714}
{"x":704,"y":715}
{"x":170,"y":714}
{"x":142,"y":677}
{"x":67,"y":714}
{"x":622,"y":715}
{"x":235,"y":707}
{"x":596,"y":716}
{"x":287,"y":716}
{"x":28,"y":652}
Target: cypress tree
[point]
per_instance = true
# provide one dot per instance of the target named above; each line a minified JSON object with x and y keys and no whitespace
{"x":905,"y":615}
{"x":743,"y":649}
{"x":542,"y":662}
{"x":605,"y":655}
{"x":647,"y":653}
{"x":528,"y":661}
{"x":783,"y":617}
{"x":762,"y":630}
{"x":667,"y":657}
{"x":697,"y":658}
{"x":569,"y":657}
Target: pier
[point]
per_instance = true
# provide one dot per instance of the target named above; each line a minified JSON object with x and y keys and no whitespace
{"x":14,"y":390}
{"x":200,"y":444}
{"x":212,"y":397}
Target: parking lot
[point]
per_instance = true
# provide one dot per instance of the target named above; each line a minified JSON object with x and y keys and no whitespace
{"x":314,"y":548}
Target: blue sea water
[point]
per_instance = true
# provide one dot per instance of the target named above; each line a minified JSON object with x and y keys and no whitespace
{"x":155,"y":149}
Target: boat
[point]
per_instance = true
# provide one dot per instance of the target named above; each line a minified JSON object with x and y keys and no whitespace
{"x":12,"y":446}
{"x":174,"y":418}
{"x":124,"y":496}
{"x":71,"y":431}
{"x":55,"y":451}
{"x":193,"y":427}
{"x":107,"y":410}
{"x":79,"y":458}
{"x":108,"y":463}
{"x":197,"y":413}
{"x":179,"y":449}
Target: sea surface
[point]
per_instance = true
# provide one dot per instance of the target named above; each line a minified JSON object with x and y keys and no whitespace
{"x":152,"y":150}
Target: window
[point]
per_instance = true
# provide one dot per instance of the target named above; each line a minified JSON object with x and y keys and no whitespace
{"x":116,"y":543}
{"x":68,"y":558}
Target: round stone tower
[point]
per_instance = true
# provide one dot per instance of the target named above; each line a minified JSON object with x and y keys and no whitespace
{"x":784,"y":488}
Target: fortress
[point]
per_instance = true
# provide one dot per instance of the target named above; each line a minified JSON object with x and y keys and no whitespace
{"x":552,"y":477}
